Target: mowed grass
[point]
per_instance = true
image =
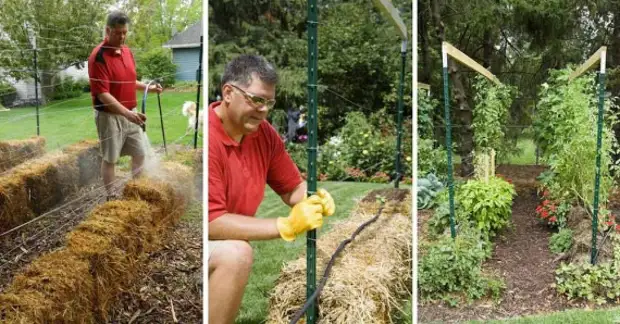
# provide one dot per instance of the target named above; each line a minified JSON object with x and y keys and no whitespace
{"x":68,"y":121}
{"x":270,"y":256}
{"x":526,"y":155}
{"x":605,"y":316}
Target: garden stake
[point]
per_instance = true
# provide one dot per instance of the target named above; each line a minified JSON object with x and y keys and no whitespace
{"x":198,"y":80}
{"x":446,"y":102}
{"x":399,"y":132}
{"x":313,"y":18}
{"x":599,"y":135}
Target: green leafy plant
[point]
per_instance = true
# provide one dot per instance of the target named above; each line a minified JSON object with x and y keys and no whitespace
{"x":595,"y":283}
{"x":490,"y":113}
{"x":488,"y":204}
{"x":67,"y":88}
{"x":431,"y":159}
{"x":451,"y":269}
{"x":565,"y":130}
{"x":561,"y":241}
{"x":427,"y":189}
{"x":156,"y":64}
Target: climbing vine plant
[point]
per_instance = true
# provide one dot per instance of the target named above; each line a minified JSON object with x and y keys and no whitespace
{"x":490,"y":114}
{"x":565,"y":130}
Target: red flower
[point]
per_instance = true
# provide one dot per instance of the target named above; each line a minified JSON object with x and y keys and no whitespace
{"x":553,"y":219}
{"x":545,"y":193}
{"x":538,"y":209}
{"x":609,"y":223}
{"x":545,"y":202}
{"x":618,"y":228}
{"x":544,"y":214}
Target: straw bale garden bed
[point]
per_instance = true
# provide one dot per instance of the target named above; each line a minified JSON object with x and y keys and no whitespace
{"x":70,"y":256}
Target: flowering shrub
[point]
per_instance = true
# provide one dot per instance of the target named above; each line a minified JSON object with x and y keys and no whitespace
{"x":380,"y":177}
{"x":553,"y":212}
{"x":355,"y":174}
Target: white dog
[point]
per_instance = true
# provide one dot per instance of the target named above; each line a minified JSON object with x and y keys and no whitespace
{"x":189,"y":111}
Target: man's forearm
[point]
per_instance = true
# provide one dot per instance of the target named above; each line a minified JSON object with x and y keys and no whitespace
{"x":239,"y":227}
{"x":140,"y":86}
{"x":297,"y":195}
{"x":111,"y":104}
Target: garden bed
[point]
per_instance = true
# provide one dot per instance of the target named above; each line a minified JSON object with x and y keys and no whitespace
{"x":521,"y":256}
{"x":370,"y":276}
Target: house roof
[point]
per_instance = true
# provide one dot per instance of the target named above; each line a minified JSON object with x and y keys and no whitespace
{"x":188,"y":38}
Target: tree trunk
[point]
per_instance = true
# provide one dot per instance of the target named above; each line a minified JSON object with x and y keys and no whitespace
{"x":463,"y":114}
{"x":425,"y":76}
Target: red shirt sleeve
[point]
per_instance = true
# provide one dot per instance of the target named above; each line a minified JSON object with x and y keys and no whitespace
{"x":283,"y":175}
{"x":217,"y":187}
{"x":99,"y":78}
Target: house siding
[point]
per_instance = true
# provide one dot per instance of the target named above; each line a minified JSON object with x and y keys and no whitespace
{"x":186,"y":60}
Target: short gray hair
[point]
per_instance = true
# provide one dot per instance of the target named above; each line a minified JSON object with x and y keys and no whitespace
{"x":117,"y":17}
{"x":240,"y":71}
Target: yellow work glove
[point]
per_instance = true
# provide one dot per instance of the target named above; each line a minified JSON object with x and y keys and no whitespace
{"x":329,"y":207}
{"x":306,"y":215}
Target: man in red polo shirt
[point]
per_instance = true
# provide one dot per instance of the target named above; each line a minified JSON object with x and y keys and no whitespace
{"x":113,"y":86}
{"x":245,"y":154}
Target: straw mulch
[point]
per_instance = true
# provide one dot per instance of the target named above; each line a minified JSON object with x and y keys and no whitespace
{"x":103,"y":254}
{"x":55,"y":288}
{"x":369,"y":278}
{"x":38,"y":185}
{"x":15,"y":152}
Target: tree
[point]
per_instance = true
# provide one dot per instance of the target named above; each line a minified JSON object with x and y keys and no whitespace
{"x":359,"y":53}
{"x":65,"y":34}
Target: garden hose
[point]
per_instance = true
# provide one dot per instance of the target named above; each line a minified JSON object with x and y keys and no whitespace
{"x":318,"y":290}
{"x":146,"y":91}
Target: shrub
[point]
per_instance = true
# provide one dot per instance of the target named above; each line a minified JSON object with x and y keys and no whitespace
{"x":452,"y":268}
{"x":561,"y":241}
{"x":380,"y":177}
{"x":156,"y":64}
{"x":431,"y":159}
{"x":67,"y":87}
{"x":489,"y":205}
{"x":8,"y":93}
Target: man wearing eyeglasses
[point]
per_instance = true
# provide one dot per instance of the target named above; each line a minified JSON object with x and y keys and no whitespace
{"x":245,"y":154}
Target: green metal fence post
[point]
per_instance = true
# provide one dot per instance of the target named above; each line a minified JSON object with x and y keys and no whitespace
{"x":403,"y":53}
{"x":599,"y":137}
{"x":311,"y":314}
{"x":446,"y":101}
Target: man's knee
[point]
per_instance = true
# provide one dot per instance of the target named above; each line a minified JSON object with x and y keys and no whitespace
{"x":234,"y":255}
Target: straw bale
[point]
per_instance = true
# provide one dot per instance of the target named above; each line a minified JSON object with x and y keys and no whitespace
{"x":14,"y":152}
{"x":368,"y":278}
{"x":160,"y":195}
{"x":88,"y":160}
{"x":113,"y":239}
{"x":36,"y":186}
{"x":55,"y":288}
{"x":169,"y":189}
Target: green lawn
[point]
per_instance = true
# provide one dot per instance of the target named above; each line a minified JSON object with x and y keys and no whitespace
{"x":526,"y":156}
{"x":68,"y":121}
{"x":269,"y":256}
{"x":567,"y":317}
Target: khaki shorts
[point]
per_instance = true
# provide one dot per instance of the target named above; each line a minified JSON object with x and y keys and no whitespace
{"x":212,"y":246}
{"x":118,"y":137}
